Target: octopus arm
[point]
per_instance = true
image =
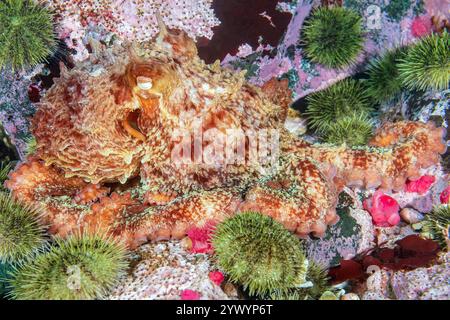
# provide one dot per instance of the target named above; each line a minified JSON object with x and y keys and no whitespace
{"x":33,"y":181}
{"x":129,"y":221}
{"x":300,"y":196}
{"x":397,"y":152}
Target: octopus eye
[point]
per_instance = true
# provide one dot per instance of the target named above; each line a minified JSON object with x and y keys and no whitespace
{"x":144,"y":83}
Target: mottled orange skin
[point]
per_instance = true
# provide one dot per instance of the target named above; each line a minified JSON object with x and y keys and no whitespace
{"x":90,"y":194}
{"x":108,"y":126}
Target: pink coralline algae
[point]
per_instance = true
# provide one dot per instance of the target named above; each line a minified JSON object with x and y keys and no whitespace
{"x":131,"y":20}
{"x":438,"y":8}
{"x":423,"y":283}
{"x":445,"y":196}
{"x":421,"y":26}
{"x":421,"y":185}
{"x":217,"y":277}
{"x":200,"y":238}
{"x":190,"y":295}
{"x":383,"y":208}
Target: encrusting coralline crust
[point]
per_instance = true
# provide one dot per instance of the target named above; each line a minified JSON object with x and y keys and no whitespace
{"x":110,"y":138}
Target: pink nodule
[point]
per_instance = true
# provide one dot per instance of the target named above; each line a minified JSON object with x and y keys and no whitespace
{"x":217,"y":277}
{"x":421,"y":185}
{"x":421,"y":26}
{"x":188,"y":294}
{"x":383,"y":209}
{"x":445,"y":196}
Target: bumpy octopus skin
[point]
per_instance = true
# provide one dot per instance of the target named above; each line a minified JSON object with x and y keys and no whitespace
{"x":396,"y":153}
{"x":118,"y":117}
{"x":79,"y":127}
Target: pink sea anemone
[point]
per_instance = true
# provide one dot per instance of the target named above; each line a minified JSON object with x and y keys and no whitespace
{"x":383,"y":208}
{"x":421,"y":185}
{"x":217,"y":277}
{"x":200,"y":238}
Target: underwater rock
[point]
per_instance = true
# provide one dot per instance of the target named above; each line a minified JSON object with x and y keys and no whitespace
{"x":423,"y":283}
{"x":350,"y":296}
{"x":411,"y":216}
{"x":370,"y":295}
{"x":165,"y":271}
{"x":288,"y":60}
{"x":244,"y":25}
{"x":389,"y":235}
{"x":423,"y":204}
{"x":377,"y":284}
{"x":16,"y":107}
{"x":354,"y":233}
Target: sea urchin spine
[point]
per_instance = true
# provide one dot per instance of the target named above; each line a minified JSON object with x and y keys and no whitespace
{"x":82,"y":267}
{"x":256,"y":251}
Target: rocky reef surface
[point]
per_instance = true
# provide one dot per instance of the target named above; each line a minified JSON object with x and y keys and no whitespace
{"x":113,"y":184}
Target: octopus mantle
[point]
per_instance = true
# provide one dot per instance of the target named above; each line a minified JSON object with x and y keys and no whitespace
{"x":108,"y":145}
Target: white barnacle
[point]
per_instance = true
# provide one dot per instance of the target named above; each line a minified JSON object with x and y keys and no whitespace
{"x":144,"y":83}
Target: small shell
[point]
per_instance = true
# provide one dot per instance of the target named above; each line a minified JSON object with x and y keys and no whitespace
{"x":350,"y":296}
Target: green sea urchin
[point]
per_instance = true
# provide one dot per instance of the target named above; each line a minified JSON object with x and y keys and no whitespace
{"x":436,"y":225}
{"x":5,"y":275}
{"x":81,"y":267}
{"x":31,"y":145}
{"x":259,"y":253}
{"x":341,"y":99}
{"x":427,"y":63}
{"x":353,"y":130}
{"x":26,"y":34}
{"x":21,"y":232}
{"x":317,"y":282}
{"x":5,"y":167}
{"x":384,"y":83}
{"x":333,"y":36}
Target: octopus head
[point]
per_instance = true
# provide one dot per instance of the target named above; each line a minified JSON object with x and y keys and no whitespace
{"x":152,"y":79}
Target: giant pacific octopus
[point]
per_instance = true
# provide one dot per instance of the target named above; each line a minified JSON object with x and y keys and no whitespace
{"x":109,"y":149}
